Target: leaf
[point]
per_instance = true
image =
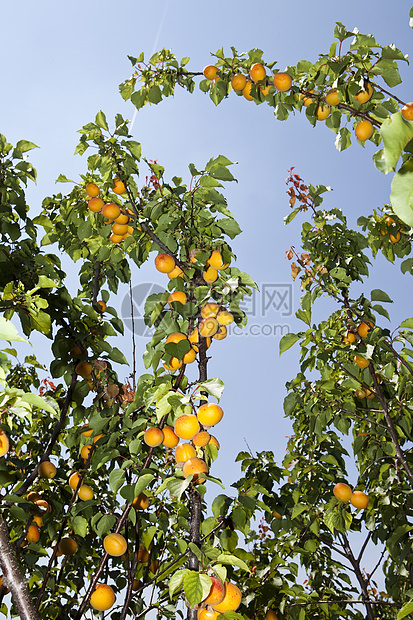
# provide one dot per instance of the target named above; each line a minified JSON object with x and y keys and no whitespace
{"x":9,"y":332}
{"x":380,"y":310}
{"x":406,"y":609}
{"x":80,"y":525}
{"x":63,"y":179}
{"x":287,"y":341}
{"x":116,"y":479}
{"x":39,"y":402}
{"x":298,"y":509}
{"x":408,"y":323}
{"x":232,"y":560}
{"x":105,"y":524}
{"x":24,"y":145}
{"x":401,"y":196}
{"x":176,"y":580}
{"x":343,"y":139}
{"x":143,"y":483}
{"x":378,"y":295}
{"x":214,"y":387}
{"x":101,"y":120}
{"x":196,"y":587}
{"x":396,"y":133}
{"x":178,"y":486}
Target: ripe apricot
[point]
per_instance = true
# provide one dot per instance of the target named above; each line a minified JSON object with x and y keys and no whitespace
{"x":84,"y":370}
{"x":73,"y":480}
{"x":359,"y":499}
{"x":364,"y":95}
{"x":186,"y":426}
{"x":210,"y":275}
{"x":184,"y":452}
{"x":209,"y":309}
{"x":194,"y":339}
{"x":111,"y":210}
{"x":195,"y":467}
{"x":46,"y":470}
{"x":175,"y":337}
{"x":4,"y":443}
{"x":257,"y":72}
{"x":349,"y":338}
{"x":189,"y":357}
{"x":115,"y":238}
{"x":276,"y":514}
{"x":38,"y":519}
{"x":209,"y":414}
{"x":360,"y":393}
{"x":6,"y":589}
{"x":342,"y":492}
{"x":153,"y":437}
{"x":246,"y":91}
{"x":67,"y":546}
{"x":271,"y":615}
{"x":175,"y":273}
{"x":216,"y":593}
{"x":102,"y":305}
{"x":122,"y":218}
{"x":86,"y":452}
{"x":322,"y":112}
{"x":238,"y":81}
{"x":103,"y":597}
{"x":265,"y":91}
{"x":119,"y":187}
{"x":115,"y":545}
{"x":154,"y":566}
{"x":207,"y":614}
{"x":364,"y":328}
{"x":210,"y":72}
{"x":282,"y":81}
{"x":306,"y":99}
{"x":364,"y":130}
{"x":33,"y":533}
{"x":395,"y":238}
{"x":224,"y":317}
{"x":192,"y":255}
{"x":170,"y":438}
{"x":119,"y":229}
{"x":42,"y":506}
{"x":85,"y":492}
{"x":177,"y":296}
{"x":92,"y":190}
{"x":95,"y":205}
{"x":201,"y":439}
{"x":332,"y":97}
{"x":164,"y":263}
{"x":141,"y":502}
{"x":221,"y":333}
{"x":215,"y":260}
{"x":33,"y":496}
{"x":213,"y":441}
{"x":407,"y":111}
{"x":173,"y":364}
{"x":231,"y":600}
{"x":208,"y":327}
{"x":361,"y":361}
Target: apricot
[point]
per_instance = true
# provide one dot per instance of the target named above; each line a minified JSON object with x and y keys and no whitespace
{"x":67,"y":546}
{"x":38,"y":519}
{"x":84,"y":370}
{"x":95,"y":205}
{"x":364,"y":130}
{"x":86,"y":452}
{"x":175,"y":273}
{"x":194,"y":339}
{"x":271,"y":615}
{"x":282,"y":81}
{"x":119,"y":187}
{"x":92,"y":190}
{"x":85,"y":492}
{"x":119,"y":229}
{"x":342,"y":492}
{"x":257,"y":72}
{"x":215,"y":261}
{"x":238,"y":81}
{"x":4,"y":443}
{"x":184,"y":452}
{"x":207,"y":614}
{"x":361,"y":361}
{"x":189,"y":357}
{"x":395,"y":238}
{"x":246,"y":91}
{"x":154,"y":566}
{"x":209,"y":414}
{"x":103,"y":597}
{"x":141,"y":502}
{"x":46,"y":470}
{"x":232,"y":598}
{"x":407,"y":111}
{"x":216,"y":593}
{"x":364,"y":95}
{"x":136,"y":585}
{"x":186,"y":426}
{"x":208,"y":327}
{"x":364,"y":328}
{"x":265,"y":91}
{"x":307,"y":100}
{"x":201,"y":439}
{"x":153,"y":437}
{"x":192,"y":255}
{"x":175,"y":337}
{"x":177,"y":296}
{"x":210,"y":72}
{"x":173,"y":364}
{"x":360,"y":393}
{"x":42,"y":506}
{"x":359,"y":499}
{"x":33,"y":533}
{"x":209,"y":309}
{"x":6,"y":589}
{"x":210,"y":275}
{"x":213,"y":441}
{"x":322,"y":112}
{"x":73,"y":480}
{"x":224,"y":317}
{"x":276,"y":514}
{"x":164,"y":263}
{"x":332,"y":97}
{"x":170,"y":439}
{"x":115,"y":545}
{"x":349,"y":338}
{"x":122,"y":218}
{"x":33,"y":496}
{"x":111,"y":210}
{"x":115,"y":238}
{"x":221,"y":333}
{"x":195,"y":467}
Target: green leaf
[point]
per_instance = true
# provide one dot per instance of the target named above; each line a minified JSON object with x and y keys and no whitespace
{"x":80,"y":525}
{"x":63,"y":179}
{"x":105,"y":524}
{"x":24,"y":145}
{"x":116,"y":479}
{"x":298,"y":509}
{"x":408,"y":323}
{"x":401,"y":196}
{"x":143,"y":483}
{"x":196,"y":586}
{"x":396,"y":133}
{"x":380,"y":310}
{"x":287,"y":341}
{"x":408,"y":607}
{"x":378,"y":295}
{"x":176,"y":580}
{"x":9,"y":332}
{"x":178,"y":486}
{"x":39,"y":402}
{"x":101,"y":120}
{"x":214,"y":387}
{"x":232,"y":560}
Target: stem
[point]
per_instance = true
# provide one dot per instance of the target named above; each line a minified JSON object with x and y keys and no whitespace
{"x":363,"y":583}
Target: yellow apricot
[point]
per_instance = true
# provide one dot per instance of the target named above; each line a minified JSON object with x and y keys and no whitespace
{"x":209,"y":309}
{"x":119,"y":229}
{"x":201,"y":439}
{"x":361,"y":361}
{"x":186,"y":426}
{"x":359,"y":499}
{"x":175,"y":273}
{"x":33,"y":533}
{"x":115,"y":545}
{"x":246,"y":91}
{"x":407,"y":111}
{"x":208,"y":327}
{"x":210,"y":72}
{"x":282,"y":81}
{"x":213,"y":441}
{"x":103,"y":597}
{"x":332,"y":97}
{"x":342,"y":491}
{"x":84,"y":369}
{"x":210,"y":275}
{"x":46,"y":470}
{"x":92,"y":190}
{"x":189,"y":357}
{"x":209,"y":414}
{"x":322,"y":112}
{"x":164,"y":263}
{"x":141,"y":502}
{"x":231,"y":600}
{"x":364,"y":95}
{"x":4,"y":443}
{"x":364,"y":130}
{"x":73,"y":480}
{"x":239,"y":81}
{"x":153,"y":437}
{"x":173,"y":364}
{"x":224,"y":317}
{"x":119,"y":187}
{"x":85,"y":492}
{"x":86,"y":452}
{"x":221,"y":333}
{"x":257,"y":72}
{"x":177,"y":296}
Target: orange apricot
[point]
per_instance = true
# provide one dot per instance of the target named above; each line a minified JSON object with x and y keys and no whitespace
{"x":103,"y":597}
{"x":364,"y":130}
{"x":122,"y":218}
{"x":271,"y":615}
{"x":175,"y":273}
{"x":46,"y":470}
{"x":4,"y":443}
{"x":115,"y":545}
{"x":170,"y":438}
{"x":361,"y":361}
{"x":306,"y":99}
{"x":208,"y":327}
{"x":342,"y":491}
{"x":111,"y":211}
{"x":92,"y":190}
{"x":395,"y":238}
{"x":349,"y":338}
{"x":215,"y":261}
{"x":364,"y":328}
{"x":143,"y":555}
{"x":173,"y":364}
{"x":177,"y":296}
{"x":84,"y":370}
{"x":164,"y":263}
{"x":216,"y":593}
{"x":189,"y":357}
{"x":184,"y":452}
{"x":257,"y":72}
{"x":359,"y":499}
{"x":209,"y":309}
{"x":231,"y":600}
{"x":38,"y":519}
{"x":195,"y":467}
{"x":246,"y":91}
{"x":67,"y":546}
{"x":213,"y":441}
{"x":407,"y":111}
{"x":206,"y":613}
{"x":186,"y":426}
{"x":115,"y":238}
{"x":86,"y":452}
{"x":42,"y":506}
{"x":282,"y":81}
{"x":153,"y":437}
{"x":119,"y":229}
{"x":33,"y":533}
{"x":209,"y":414}
{"x":85,"y":492}
{"x":238,"y":81}
{"x":119,"y":187}
{"x":73,"y":480}
{"x":364,"y":95}
{"x":201,"y":439}
{"x":175,"y":337}
{"x":210,"y":72}
{"x":221,"y":333}
{"x":141,"y":502}
{"x":95,"y":205}
{"x":210,"y":275}
{"x":332,"y":97}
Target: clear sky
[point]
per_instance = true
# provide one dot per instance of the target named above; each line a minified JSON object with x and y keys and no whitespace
{"x":63,"y":61}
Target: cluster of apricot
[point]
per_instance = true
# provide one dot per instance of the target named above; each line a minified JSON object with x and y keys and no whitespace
{"x":112,"y":212}
{"x":221,"y":598}
{"x":391,"y":226}
{"x":363,"y":330}
{"x":344,"y":493}
{"x":257,"y":74}
{"x":165,"y":263}
{"x":41,"y":506}
{"x":193,"y":429}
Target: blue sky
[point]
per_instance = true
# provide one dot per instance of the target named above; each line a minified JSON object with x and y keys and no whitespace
{"x":63,"y":61}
